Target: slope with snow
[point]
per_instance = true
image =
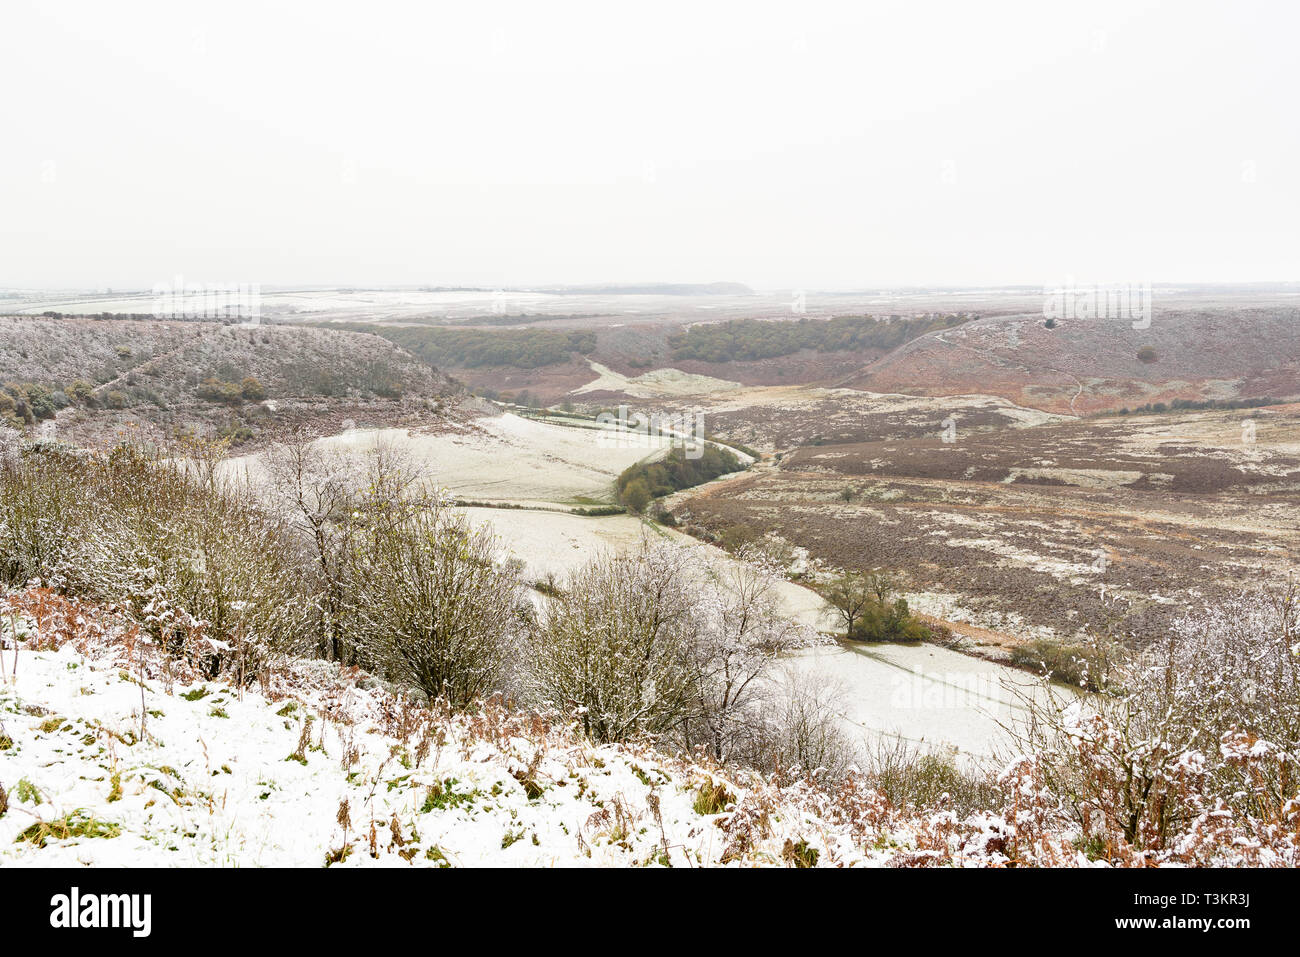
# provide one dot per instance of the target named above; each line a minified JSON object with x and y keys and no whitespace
{"x":329,"y":768}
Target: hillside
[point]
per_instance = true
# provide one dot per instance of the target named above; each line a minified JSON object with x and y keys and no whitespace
{"x":1119,"y":522}
{"x":209,"y":377}
{"x":554,"y":358}
{"x":323,"y":766}
{"x":110,"y":756}
{"x":1093,"y":365}
{"x":329,"y":769}
{"x":1077,"y":367}
{"x":187,"y":696}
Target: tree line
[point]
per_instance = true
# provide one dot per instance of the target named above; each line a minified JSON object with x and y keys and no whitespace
{"x":476,"y":348}
{"x":751,"y":339}
{"x":638,"y":484}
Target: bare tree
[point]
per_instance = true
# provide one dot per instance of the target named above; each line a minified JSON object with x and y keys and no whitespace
{"x":738,"y":635}
{"x":863,"y":600}
{"x":325,"y":493}
{"x":851,"y":594}
{"x":317,"y":491}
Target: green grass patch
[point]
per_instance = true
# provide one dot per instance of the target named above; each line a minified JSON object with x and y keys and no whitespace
{"x":76,"y":824}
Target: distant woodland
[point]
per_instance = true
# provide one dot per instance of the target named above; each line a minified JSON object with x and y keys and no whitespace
{"x":749,"y":339}
{"x":475,"y":348}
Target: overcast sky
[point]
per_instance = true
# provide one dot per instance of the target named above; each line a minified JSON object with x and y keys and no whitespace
{"x":806,"y":145}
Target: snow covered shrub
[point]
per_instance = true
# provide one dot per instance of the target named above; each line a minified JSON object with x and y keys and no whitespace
{"x":434,"y":605}
{"x":1201,"y":728}
{"x":34,"y":526}
{"x":616,"y":645}
{"x":1089,"y":665}
{"x":10,"y":445}
{"x":327,"y":496}
{"x":196,"y":560}
{"x":664,"y":642}
{"x":910,"y":776}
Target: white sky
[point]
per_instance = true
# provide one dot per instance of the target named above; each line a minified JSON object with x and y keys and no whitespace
{"x":807,"y":144}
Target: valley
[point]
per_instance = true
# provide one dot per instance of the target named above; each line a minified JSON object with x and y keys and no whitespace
{"x":1024,"y":502}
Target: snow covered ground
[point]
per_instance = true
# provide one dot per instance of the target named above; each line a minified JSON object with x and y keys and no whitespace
{"x":927,"y":696}
{"x":654,"y":384}
{"x":112,"y":754}
{"x":330,"y":769}
{"x":557,"y":543}
{"x":505,"y":458}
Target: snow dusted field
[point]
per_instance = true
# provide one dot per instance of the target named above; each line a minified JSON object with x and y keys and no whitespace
{"x":513,"y":459}
{"x":504,"y":458}
{"x":329,"y":768}
{"x":654,"y":384}
{"x":557,"y":543}
{"x":925,"y":695}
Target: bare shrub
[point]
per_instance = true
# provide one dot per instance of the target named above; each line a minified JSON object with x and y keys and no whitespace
{"x":802,"y":730}
{"x":326,"y":496}
{"x":435,"y":606}
{"x":615,"y":645}
{"x":1203,"y":723}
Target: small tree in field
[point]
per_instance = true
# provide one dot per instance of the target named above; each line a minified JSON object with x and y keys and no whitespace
{"x":636,"y":496}
{"x":851,"y":594}
{"x":869,"y":611}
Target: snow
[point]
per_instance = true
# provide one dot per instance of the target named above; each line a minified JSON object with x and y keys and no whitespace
{"x":106,"y":761}
{"x":220,"y":780}
{"x":923,"y":694}
{"x":654,"y":384}
{"x":505,"y":458}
